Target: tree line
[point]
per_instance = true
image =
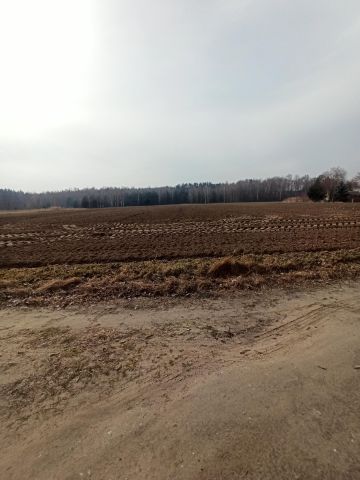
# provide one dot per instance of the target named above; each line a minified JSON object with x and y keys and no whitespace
{"x":333,"y":186}
{"x":249,"y":190}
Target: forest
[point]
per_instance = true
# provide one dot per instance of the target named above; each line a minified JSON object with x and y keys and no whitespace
{"x":274,"y":189}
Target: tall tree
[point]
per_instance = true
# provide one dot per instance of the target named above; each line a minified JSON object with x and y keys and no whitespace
{"x":317,"y":190}
{"x":342,"y":192}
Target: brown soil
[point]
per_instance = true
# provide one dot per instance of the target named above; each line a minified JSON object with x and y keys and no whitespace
{"x":185,"y":231}
{"x":256,"y":385}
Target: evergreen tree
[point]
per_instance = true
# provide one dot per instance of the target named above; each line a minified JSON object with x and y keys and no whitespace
{"x":85,"y":202}
{"x":317,"y":191}
{"x":342,"y":192}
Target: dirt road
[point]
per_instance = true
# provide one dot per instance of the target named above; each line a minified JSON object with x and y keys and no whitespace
{"x":257,"y":386}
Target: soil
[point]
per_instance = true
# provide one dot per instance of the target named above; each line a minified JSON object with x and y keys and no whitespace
{"x":76,"y":257}
{"x":58,"y":237}
{"x":253,"y":385}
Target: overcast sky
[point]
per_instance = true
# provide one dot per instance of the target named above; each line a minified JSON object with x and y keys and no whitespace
{"x":139,"y":92}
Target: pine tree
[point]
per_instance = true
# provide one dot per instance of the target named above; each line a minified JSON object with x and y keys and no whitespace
{"x":342,"y":192}
{"x":317,"y":191}
{"x":85,"y":202}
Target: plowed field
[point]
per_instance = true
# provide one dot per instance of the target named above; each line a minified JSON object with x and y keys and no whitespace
{"x":172,"y":232}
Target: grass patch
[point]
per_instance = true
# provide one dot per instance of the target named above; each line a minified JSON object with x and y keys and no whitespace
{"x":97,"y":282}
{"x":228,"y":266}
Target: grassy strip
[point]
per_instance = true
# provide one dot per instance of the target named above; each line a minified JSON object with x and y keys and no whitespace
{"x":81,"y":283}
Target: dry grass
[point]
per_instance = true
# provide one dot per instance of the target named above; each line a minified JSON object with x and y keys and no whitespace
{"x":77,"y":284}
{"x":58,"y":284}
{"x":73,"y":360}
{"x":4,"y":284}
{"x":229,"y":267}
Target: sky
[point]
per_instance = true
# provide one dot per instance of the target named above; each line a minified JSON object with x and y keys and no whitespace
{"x":139,"y":93}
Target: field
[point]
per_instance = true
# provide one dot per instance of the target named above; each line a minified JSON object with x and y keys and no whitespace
{"x":77,"y":255}
{"x":144,"y":233}
{"x":199,"y":342}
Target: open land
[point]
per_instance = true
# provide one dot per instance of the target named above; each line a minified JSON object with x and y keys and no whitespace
{"x":185,"y":342}
{"x":75,"y":256}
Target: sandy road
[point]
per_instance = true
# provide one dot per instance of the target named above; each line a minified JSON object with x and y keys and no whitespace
{"x":272,"y":391}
